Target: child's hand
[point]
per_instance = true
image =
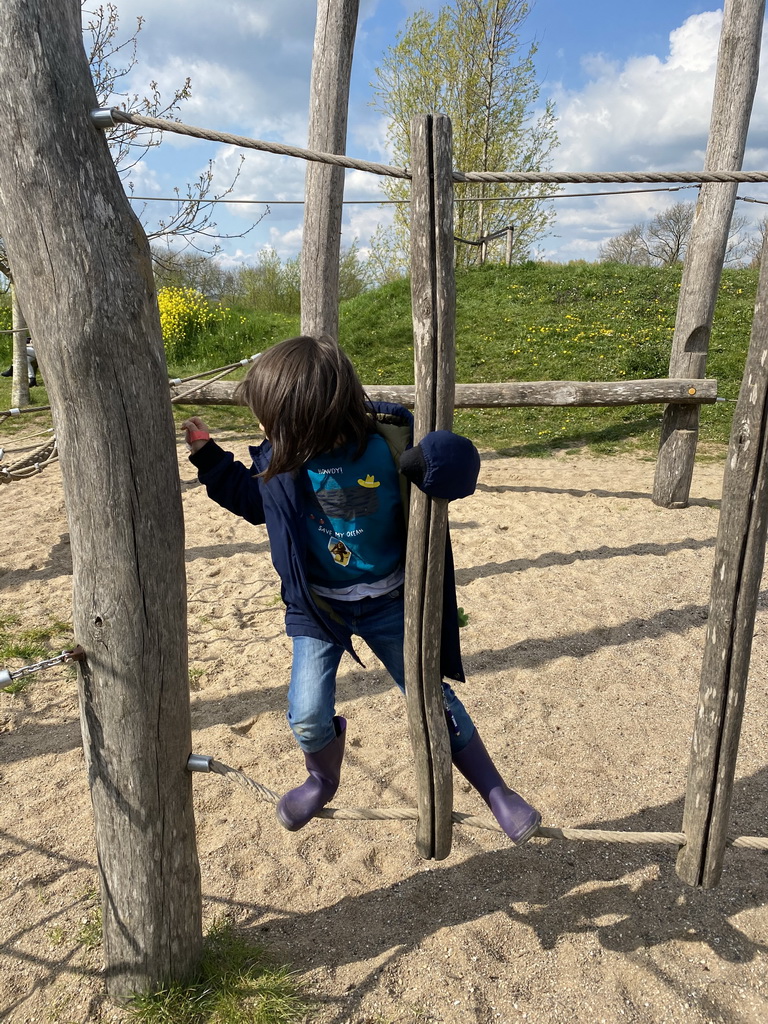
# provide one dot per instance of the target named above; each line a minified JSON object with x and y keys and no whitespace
{"x":196,"y":431}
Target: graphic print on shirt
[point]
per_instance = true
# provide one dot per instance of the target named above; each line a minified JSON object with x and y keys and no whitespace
{"x":355,"y":511}
{"x":349,"y":503}
{"x":339,"y":550}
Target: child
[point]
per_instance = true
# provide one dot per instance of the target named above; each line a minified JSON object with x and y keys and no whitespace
{"x":331,"y":483}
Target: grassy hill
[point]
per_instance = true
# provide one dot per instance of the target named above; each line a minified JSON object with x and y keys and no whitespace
{"x":552,"y":322}
{"x":583,"y":321}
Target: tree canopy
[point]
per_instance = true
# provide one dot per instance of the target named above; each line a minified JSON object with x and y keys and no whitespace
{"x":469,"y":61}
{"x":663,"y":240}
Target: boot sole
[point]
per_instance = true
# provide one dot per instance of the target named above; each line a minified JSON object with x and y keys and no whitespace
{"x":529,"y":832}
{"x":287,"y":823}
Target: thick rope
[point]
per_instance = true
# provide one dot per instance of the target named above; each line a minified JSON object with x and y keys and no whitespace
{"x":6,"y":413}
{"x":159,"y":124}
{"x":516,"y":177}
{"x":34,"y":463}
{"x":411,"y":814}
{"x":197,"y":387}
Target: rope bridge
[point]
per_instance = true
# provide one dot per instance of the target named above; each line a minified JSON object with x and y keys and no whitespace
{"x":31,"y":464}
{"x":203,"y":763}
{"x":48,"y":453}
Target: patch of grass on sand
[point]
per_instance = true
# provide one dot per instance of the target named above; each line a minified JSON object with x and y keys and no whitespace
{"x":236,"y":984}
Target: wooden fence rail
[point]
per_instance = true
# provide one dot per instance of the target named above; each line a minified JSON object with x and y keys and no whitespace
{"x":514,"y":394}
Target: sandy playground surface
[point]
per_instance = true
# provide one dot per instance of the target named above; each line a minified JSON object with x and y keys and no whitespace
{"x":587,"y":607}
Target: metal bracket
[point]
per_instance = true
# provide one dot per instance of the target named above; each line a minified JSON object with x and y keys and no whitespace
{"x":102,"y":117}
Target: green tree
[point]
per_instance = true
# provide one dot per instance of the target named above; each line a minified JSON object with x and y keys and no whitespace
{"x":468,"y":61}
{"x":272,"y":286}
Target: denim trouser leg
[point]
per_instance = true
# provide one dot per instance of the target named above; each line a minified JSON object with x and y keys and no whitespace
{"x":312,"y":691}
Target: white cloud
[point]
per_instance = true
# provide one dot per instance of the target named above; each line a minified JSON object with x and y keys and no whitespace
{"x":644,"y":114}
{"x":250,"y":67}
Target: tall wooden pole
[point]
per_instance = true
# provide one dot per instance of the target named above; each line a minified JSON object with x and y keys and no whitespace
{"x":82,"y":267}
{"x":739,"y":556}
{"x":738,"y":64}
{"x":433,"y":295}
{"x":324,"y":185}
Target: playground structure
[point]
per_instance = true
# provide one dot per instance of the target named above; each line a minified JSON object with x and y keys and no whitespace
{"x":133,"y":678}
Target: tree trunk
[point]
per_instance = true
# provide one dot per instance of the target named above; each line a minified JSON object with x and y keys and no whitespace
{"x":737,"y":69}
{"x":324,"y":185}
{"x":83,"y":272}
{"x":20,"y":385}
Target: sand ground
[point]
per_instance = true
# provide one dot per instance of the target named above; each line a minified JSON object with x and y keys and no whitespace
{"x":587,"y":606}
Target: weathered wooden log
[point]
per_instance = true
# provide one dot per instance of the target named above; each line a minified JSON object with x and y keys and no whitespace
{"x":737,"y":70}
{"x":324,"y":185}
{"x":82,"y":268}
{"x":434,"y":304}
{"x":515,"y":394}
{"x":739,"y":555}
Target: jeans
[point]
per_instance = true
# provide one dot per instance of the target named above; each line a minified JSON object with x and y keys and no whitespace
{"x":312,"y":691}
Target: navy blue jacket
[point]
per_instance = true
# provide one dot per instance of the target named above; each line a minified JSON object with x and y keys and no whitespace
{"x":443,"y":465}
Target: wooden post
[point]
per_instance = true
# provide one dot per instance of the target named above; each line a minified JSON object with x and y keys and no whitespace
{"x":20,"y":384}
{"x":434,"y":303}
{"x":510,"y":231}
{"x":324,"y":185}
{"x":737,"y":69}
{"x":739,"y":555}
{"x":83,"y":271}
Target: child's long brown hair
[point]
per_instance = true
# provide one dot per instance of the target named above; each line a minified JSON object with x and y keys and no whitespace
{"x":308,"y":398}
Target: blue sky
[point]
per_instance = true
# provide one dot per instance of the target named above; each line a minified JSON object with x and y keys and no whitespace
{"x":632,"y":87}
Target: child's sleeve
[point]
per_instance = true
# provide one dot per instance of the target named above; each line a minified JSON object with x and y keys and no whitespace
{"x":230,"y":484}
{"x":443,"y":465}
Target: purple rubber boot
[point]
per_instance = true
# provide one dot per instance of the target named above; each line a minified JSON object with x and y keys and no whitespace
{"x":518,"y":819}
{"x":324,"y":766}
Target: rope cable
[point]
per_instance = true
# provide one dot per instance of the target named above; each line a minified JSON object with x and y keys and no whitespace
{"x":513,"y":177}
{"x":267,"y":795}
{"x":397,"y":202}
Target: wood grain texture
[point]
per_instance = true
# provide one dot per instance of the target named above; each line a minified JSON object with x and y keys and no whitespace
{"x":433,"y":301}
{"x":84,"y":277}
{"x":739,"y":556}
{"x":514,"y":394}
{"x":738,"y":65}
{"x":323,"y":184}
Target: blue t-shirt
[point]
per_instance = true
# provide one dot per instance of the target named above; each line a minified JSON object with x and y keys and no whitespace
{"x":355,"y":524}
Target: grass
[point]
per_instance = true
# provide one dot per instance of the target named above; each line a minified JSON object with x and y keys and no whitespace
{"x":535,"y":321}
{"x":90,"y":933}
{"x":236,"y":984}
{"x":30,"y":645}
{"x":552,"y":322}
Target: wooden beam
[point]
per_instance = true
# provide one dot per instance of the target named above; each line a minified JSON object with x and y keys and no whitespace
{"x":82,"y":268}
{"x":738,"y":64}
{"x":739,"y":556}
{"x":516,"y":394}
{"x":324,"y":185}
{"x":434,"y":304}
